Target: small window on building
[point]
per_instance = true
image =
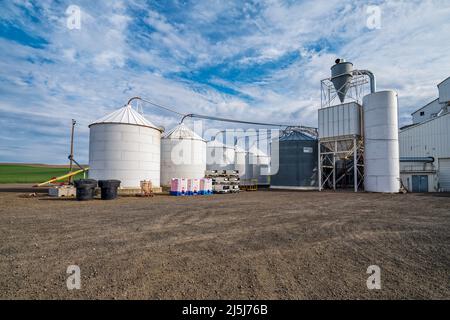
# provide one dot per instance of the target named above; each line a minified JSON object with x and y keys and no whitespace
{"x":422,"y":113}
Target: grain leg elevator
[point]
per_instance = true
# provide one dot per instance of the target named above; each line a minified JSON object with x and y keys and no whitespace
{"x":358,"y":135}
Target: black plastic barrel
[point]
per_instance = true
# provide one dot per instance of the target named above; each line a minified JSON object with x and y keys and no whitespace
{"x":109,"y":189}
{"x":85,"y":189}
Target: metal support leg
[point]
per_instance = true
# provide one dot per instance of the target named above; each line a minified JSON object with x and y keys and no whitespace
{"x":355,"y":164}
{"x":334,"y":165}
{"x":320,"y":168}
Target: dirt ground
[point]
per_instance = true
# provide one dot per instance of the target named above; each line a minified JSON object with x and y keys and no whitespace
{"x":253,"y":245}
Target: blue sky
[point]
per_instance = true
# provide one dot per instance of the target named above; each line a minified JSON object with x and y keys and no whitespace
{"x":254,"y":60}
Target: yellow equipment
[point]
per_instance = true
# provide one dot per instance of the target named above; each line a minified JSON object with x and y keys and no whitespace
{"x":68,"y":175}
{"x":252,"y":186}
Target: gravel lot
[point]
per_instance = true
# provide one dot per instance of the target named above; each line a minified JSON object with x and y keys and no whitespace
{"x":264,"y":245}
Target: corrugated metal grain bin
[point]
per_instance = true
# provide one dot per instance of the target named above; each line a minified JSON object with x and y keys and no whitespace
{"x":298,"y":159}
{"x":219,"y":156}
{"x":125,"y":146}
{"x":183,"y":155}
{"x":260,"y":164}
{"x":242,"y":163}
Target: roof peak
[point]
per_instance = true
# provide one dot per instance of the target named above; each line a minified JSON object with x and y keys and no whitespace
{"x":182,"y":131}
{"x":126,"y":115}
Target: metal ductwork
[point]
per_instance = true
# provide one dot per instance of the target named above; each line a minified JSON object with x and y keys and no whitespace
{"x":373,"y":83}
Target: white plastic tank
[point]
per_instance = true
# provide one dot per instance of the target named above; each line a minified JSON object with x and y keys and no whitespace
{"x":183,"y":155}
{"x":381,"y":155}
{"x":219,"y":156}
{"x":125,"y":146}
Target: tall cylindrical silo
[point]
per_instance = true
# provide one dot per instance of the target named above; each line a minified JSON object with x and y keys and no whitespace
{"x":125,"y":146}
{"x":219,"y":156}
{"x":241,"y":162}
{"x":297,"y":162}
{"x":381,"y":147}
{"x":260,"y":162}
{"x":264,"y":168}
{"x":251,"y":165}
{"x":183,"y":155}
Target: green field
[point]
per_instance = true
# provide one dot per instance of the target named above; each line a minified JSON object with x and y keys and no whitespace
{"x":18,"y":173}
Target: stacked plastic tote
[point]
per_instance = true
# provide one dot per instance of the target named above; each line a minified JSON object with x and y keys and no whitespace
{"x":206,"y":186}
{"x":190,"y":187}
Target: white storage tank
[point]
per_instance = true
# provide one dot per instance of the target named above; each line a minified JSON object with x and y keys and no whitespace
{"x":183,"y":155}
{"x":260,"y":162}
{"x":125,"y":146}
{"x":240,"y":160}
{"x":381,"y":158}
{"x":219,"y":156}
{"x":242,"y":164}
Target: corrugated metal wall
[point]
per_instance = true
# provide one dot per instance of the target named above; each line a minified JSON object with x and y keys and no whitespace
{"x":429,"y":111}
{"x":431,"y":138}
{"x":340,"y":120}
{"x":297,"y":164}
{"x":444,"y":91}
{"x":444,"y":174}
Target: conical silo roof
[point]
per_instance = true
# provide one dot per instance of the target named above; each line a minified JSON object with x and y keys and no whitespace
{"x":218,"y":144}
{"x":239,"y":149}
{"x":295,"y":136}
{"x":257,"y":152}
{"x":126,"y":115}
{"x":182,"y":131}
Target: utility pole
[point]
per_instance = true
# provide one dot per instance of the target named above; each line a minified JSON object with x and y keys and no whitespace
{"x":71,"y":148}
